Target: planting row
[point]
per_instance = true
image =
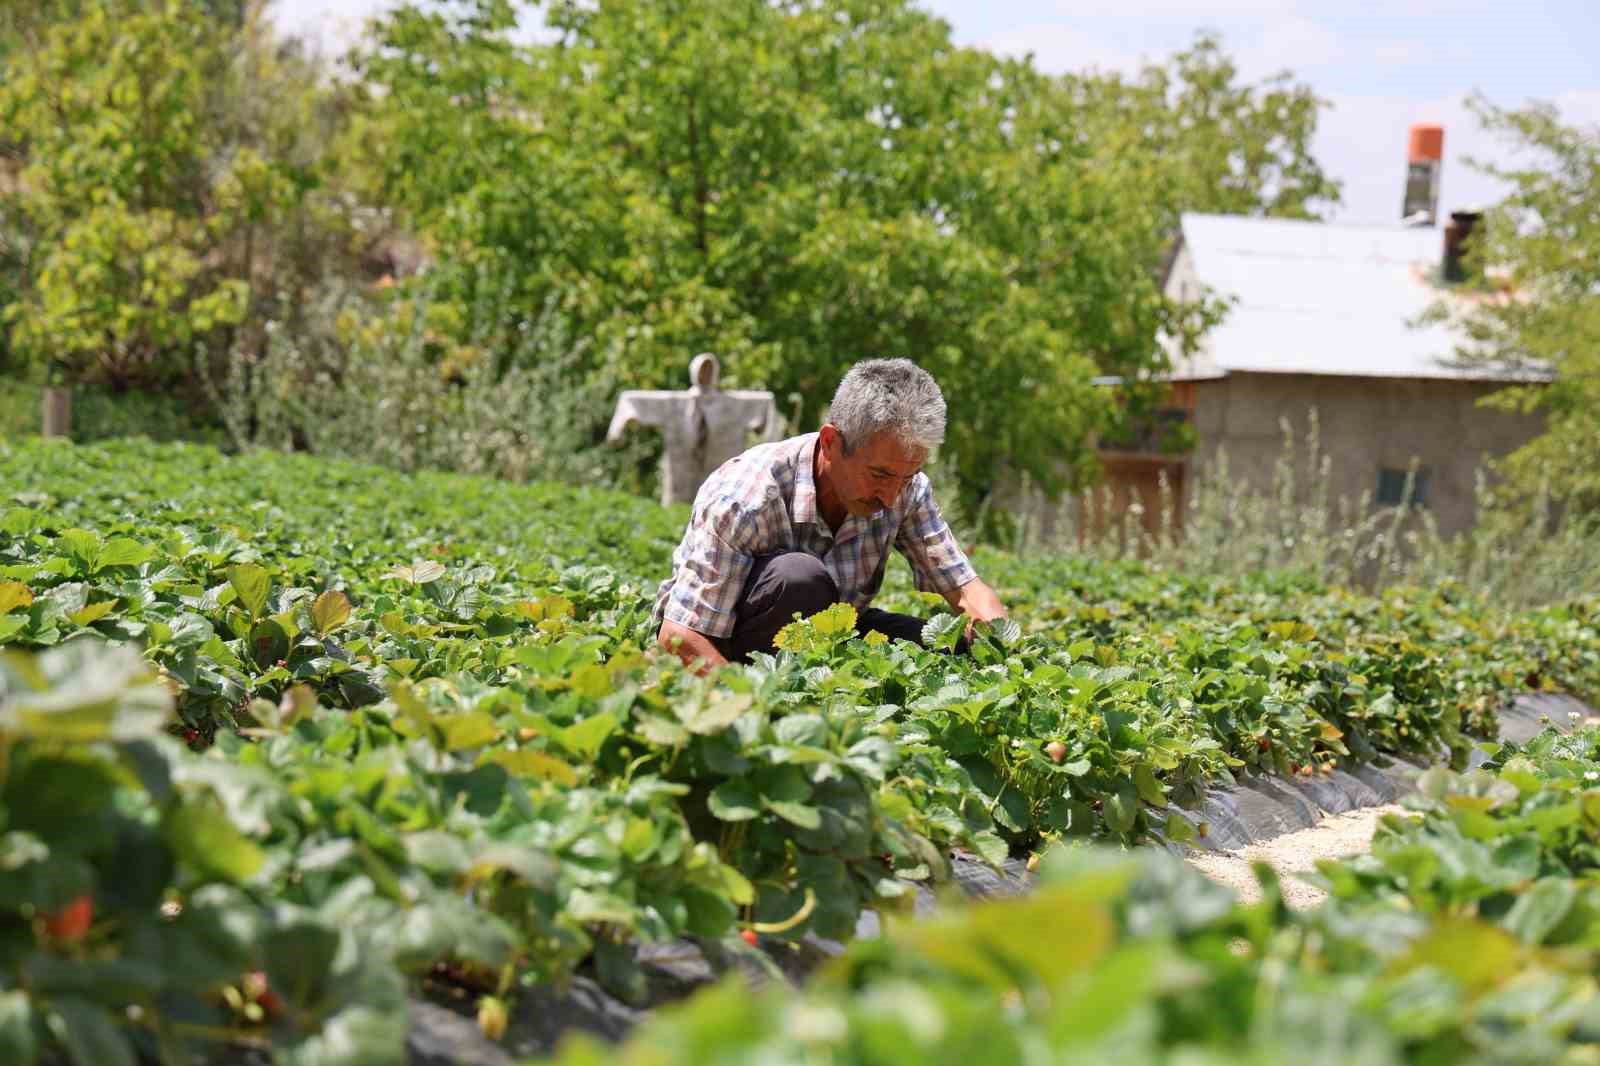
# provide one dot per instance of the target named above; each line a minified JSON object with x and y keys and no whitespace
{"x":424,"y":713}
{"x":1471,"y":934}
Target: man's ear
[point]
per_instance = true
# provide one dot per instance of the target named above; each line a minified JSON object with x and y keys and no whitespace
{"x":831,"y":440}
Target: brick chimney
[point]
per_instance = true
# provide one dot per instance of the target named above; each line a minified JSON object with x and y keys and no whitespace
{"x":1423,"y":160}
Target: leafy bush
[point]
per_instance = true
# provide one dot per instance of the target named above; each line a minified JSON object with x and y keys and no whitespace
{"x":100,"y":413}
{"x":422,"y":383}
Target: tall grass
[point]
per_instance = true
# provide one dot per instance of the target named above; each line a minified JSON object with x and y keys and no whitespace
{"x":1519,"y":553}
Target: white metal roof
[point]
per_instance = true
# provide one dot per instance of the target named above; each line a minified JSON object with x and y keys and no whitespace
{"x":1315,"y":298}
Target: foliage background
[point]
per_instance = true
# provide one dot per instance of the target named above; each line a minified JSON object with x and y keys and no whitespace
{"x":197,"y":208}
{"x":453,"y":246}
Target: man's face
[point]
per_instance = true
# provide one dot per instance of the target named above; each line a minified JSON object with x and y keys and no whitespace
{"x":872,"y":477}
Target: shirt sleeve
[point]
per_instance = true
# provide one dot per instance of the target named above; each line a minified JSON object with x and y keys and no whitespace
{"x":716,"y":556}
{"x":937,"y":562}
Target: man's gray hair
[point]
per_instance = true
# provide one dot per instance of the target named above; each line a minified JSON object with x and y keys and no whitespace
{"x":894,"y":396}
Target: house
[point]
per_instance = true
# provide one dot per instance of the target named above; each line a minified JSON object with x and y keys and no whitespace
{"x":1328,"y":317}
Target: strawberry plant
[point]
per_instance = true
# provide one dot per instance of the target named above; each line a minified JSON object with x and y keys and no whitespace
{"x":419,"y":723}
{"x":130,"y":892}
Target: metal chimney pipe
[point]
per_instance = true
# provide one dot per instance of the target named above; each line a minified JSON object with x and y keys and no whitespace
{"x":1457,"y":232}
{"x":1424,"y":158}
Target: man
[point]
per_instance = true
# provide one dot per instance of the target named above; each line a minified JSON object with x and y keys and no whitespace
{"x":795,"y":526}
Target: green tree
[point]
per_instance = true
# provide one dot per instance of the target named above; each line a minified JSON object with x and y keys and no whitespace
{"x":795,"y":186}
{"x":1533,"y":296}
{"x":167,"y":159}
{"x":1215,"y":144}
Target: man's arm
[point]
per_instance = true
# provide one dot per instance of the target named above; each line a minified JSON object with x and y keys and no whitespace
{"x":695,"y":649}
{"x":977,"y":601}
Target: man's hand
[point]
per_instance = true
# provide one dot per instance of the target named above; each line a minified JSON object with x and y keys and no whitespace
{"x":695,"y":649}
{"x":978,"y":602}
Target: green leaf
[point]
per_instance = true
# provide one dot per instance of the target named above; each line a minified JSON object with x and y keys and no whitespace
{"x":1177,"y":828}
{"x":709,"y":914}
{"x":252,"y":584}
{"x":590,"y":681}
{"x":1002,"y":939}
{"x":530,"y":762}
{"x":1005,"y":631}
{"x":123,"y":551}
{"x":268,"y":644}
{"x":58,"y":796}
{"x":1476,"y":954}
{"x":18,"y":1042}
{"x":639,"y":839}
{"x":992,"y":847}
{"x":1118,"y":986}
{"x":1540,"y":909}
{"x":800,"y":814}
{"x":717,"y":714}
{"x":734,"y":801}
{"x":189,"y":630}
{"x":835,"y":621}
{"x":82,"y":545}
{"x":660,"y":732}
{"x":206,"y":840}
{"x":93,"y":692}
{"x":942,"y":631}
{"x":438,"y":852}
{"x":92,"y":613}
{"x":1122,"y":809}
{"x":585,"y":738}
{"x":298,"y":953}
{"x":472,"y":729}
{"x":443,"y":925}
{"x":89,"y":1033}
{"x":618,"y":968}
{"x":808,"y":729}
{"x":1150,"y":790}
{"x":421,"y":573}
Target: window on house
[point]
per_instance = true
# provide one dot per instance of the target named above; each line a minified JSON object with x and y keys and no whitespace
{"x":1392,"y":487}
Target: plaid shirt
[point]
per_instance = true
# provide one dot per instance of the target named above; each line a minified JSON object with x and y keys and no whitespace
{"x":764,"y":502}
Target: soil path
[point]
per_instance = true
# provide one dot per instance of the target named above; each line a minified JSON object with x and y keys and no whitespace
{"x":1337,"y":836}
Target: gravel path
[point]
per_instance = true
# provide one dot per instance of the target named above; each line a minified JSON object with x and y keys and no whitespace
{"x":1337,"y":836}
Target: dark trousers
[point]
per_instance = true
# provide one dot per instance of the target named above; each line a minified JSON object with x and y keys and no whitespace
{"x":779,"y":586}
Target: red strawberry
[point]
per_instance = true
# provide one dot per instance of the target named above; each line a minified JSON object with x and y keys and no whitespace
{"x":749,"y":936}
{"x":71,"y":922}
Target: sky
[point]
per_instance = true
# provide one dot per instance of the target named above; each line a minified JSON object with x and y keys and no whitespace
{"x":1382,"y":66}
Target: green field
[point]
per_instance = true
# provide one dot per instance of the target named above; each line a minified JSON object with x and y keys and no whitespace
{"x":379,"y":724}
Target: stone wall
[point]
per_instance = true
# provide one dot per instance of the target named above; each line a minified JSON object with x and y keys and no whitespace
{"x":1364,"y":424}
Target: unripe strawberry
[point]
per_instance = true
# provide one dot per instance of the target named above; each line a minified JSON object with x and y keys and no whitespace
{"x":1056,"y":750}
{"x":492,"y":1017}
{"x":261,"y":993}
